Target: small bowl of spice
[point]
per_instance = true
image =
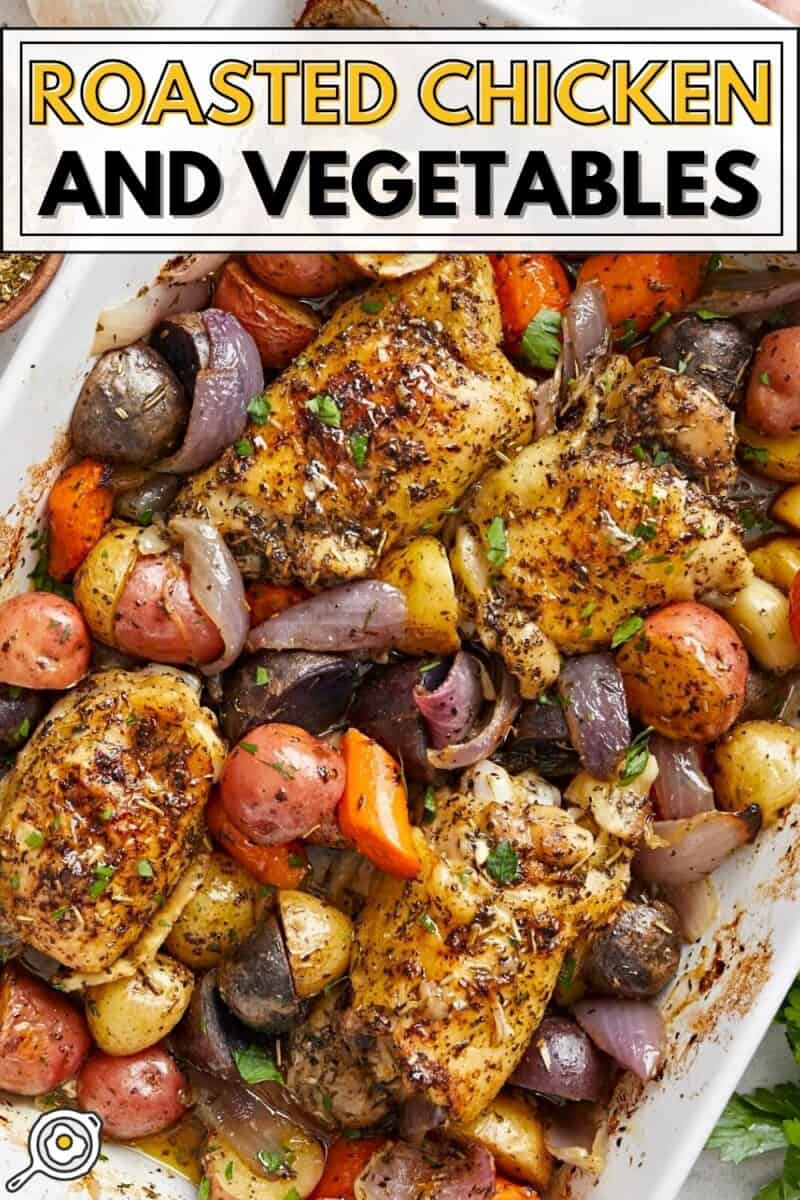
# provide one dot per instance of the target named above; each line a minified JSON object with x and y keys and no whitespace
{"x":23,"y":279}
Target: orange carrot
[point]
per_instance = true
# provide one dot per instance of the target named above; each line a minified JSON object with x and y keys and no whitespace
{"x":527,"y":283}
{"x":272,"y":865}
{"x":640,"y":288}
{"x":267,"y":599}
{"x":505,"y":1190}
{"x":373,"y":812}
{"x":78,"y":509}
{"x":346,"y":1160}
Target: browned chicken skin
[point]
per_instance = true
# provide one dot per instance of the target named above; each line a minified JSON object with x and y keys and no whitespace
{"x":102,"y":813}
{"x":407,"y":380}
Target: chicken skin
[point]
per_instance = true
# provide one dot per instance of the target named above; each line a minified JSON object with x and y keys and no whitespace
{"x":452,"y":972}
{"x":103,"y":811}
{"x":374,"y":432}
{"x":593,"y":532}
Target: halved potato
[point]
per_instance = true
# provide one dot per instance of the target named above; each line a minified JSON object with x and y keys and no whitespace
{"x":220,"y":916}
{"x":421,"y":571}
{"x":758,"y":762}
{"x":230,"y":1178}
{"x":510,"y":1129}
{"x":279,"y":326}
{"x":390,"y":266}
{"x":775,"y":457}
{"x":318,"y":941}
{"x":134,"y":1013}
{"x":760,"y":615}
{"x":787,"y":507}
{"x":101,"y":578}
{"x":777,"y":561}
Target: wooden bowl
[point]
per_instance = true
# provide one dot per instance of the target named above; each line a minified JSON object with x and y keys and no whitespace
{"x":38,"y":283}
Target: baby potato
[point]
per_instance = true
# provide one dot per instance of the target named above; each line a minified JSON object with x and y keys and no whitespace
{"x":101,"y":578}
{"x":389,"y":266}
{"x":773,"y":393}
{"x":43,"y":1038}
{"x":685,"y":672}
{"x":230,"y":1177}
{"x":218,"y":917}
{"x":758,"y":762}
{"x":158,"y":618}
{"x":318,"y":941}
{"x":510,"y":1129}
{"x":44,"y":642}
{"x":777,"y":457}
{"x":421,"y":571}
{"x":760,"y":615}
{"x":137,"y":1095}
{"x":133,"y":1013}
{"x":280,"y":327}
{"x":787,"y":507}
{"x":302,"y":274}
{"x":777,"y":561}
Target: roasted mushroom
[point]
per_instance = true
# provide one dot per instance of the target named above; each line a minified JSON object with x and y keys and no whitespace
{"x":257,"y":984}
{"x":716,"y":353}
{"x":638,"y":953}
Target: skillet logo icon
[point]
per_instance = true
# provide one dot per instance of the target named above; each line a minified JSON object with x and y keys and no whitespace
{"x":62,"y":1145}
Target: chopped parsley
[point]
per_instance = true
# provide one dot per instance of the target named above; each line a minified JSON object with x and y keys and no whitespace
{"x":262,"y":676}
{"x":146,"y":517}
{"x":427,"y":922}
{"x":244,"y":448}
{"x":106,"y":813}
{"x":34,"y":840}
{"x":256,"y":1066}
{"x":714,"y":263}
{"x":660,"y":322}
{"x":429,"y":804}
{"x":297,"y":861}
{"x":325,"y":409}
{"x":259,"y":409}
{"x":503,"y":863}
{"x":204,"y":1190}
{"x":630,"y":334}
{"x":22,"y":731}
{"x":567,"y":974}
{"x":373,"y":307}
{"x":359,"y":445}
{"x":705,"y":314}
{"x":640,"y":453}
{"x":277,"y":1163}
{"x":647,"y":530}
{"x":636,"y":757}
{"x":496,"y":542}
{"x":248,"y":747}
{"x":756,"y":454}
{"x":540,"y":341}
{"x":144,"y":869}
{"x":102,"y":879}
{"x":661,"y":458}
{"x":765,"y":378}
{"x":229,"y":1171}
{"x":292,"y":1194}
{"x":626,"y":630}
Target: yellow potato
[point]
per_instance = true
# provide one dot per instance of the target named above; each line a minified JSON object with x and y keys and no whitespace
{"x":389,"y":266}
{"x":102,"y":576}
{"x":777,"y":457}
{"x":218,"y":917}
{"x":510,"y":1130}
{"x":787,"y":507}
{"x":758,"y":762}
{"x":422,"y":572}
{"x":133,"y":1013}
{"x":318,"y":941}
{"x":760,"y":615}
{"x":777,"y":561}
{"x":230,"y":1178}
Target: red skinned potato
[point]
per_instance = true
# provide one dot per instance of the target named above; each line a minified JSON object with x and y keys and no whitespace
{"x":280,"y":327}
{"x":44,"y":642}
{"x":773,"y":392}
{"x":301,"y":274}
{"x":281,"y":783}
{"x":136,"y":1095}
{"x":158,"y":619}
{"x":43,"y":1038}
{"x":685,"y":672}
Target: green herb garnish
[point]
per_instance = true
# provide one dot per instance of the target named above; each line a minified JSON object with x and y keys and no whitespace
{"x":359,"y":445}
{"x":503,"y":863}
{"x":34,"y":840}
{"x":256,"y":1066}
{"x":373,"y":307}
{"x":262,"y":676}
{"x":244,"y":448}
{"x":102,"y":878}
{"x":259,"y":409}
{"x":496,"y":542}
{"x":540,"y":342}
{"x":144,"y":869}
{"x":660,"y":322}
{"x":325,"y":409}
{"x":756,"y":454}
{"x":626,"y":630}
{"x":429,"y":804}
{"x":636,"y":757}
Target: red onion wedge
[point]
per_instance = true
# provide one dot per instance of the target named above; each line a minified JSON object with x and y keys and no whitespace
{"x":577,"y":1134}
{"x":216,"y":586}
{"x":367,"y":615}
{"x":403,"y":1172}
{"x":587,"y":332}
{"x":633,"y":1033}
{"x":696,"y":846}
{"x":681,"y":789}
{"x":134,"y":319}
{"x":222,"y":392}
{"x":593,"y":693}
{"x":451,"y":709}
{"x":563,"y":1061}
{"x":735,"y":292}
{"x":483,"y":743}
{"x":697,"y":906}
{"x":186,"y":268}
